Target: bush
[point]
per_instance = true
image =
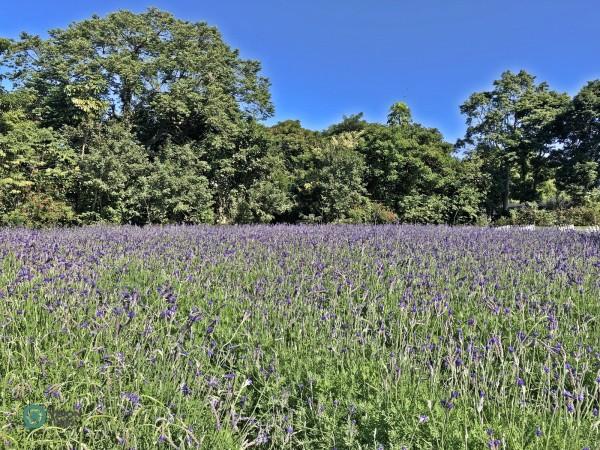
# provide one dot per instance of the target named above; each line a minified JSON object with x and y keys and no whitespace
{"x":423,"y":209}
{"x":39,"y":210}
{"x":382,"y":214}
{"x":581,"y":216}
{"x":482,"y":220}
{"x":369,"y":212}
{"x":532,"y":215}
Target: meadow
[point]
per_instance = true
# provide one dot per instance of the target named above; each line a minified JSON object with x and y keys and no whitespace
{"x":301,"y":337}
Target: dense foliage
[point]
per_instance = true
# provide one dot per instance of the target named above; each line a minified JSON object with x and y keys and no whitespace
{"x":144,"y":118}
{"x":331,"y":336}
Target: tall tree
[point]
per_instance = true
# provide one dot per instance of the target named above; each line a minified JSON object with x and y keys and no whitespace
{"x":110,"y":176}
{"x":37,"y":166}
{"x":179,"y":77}
{"x":505,"y":126}
{"x":331,"y":186}
{"x":294,"y":147}
{"x":253,"y":185}
{"x":578,"y":131}
{"x":407,"y":165}
{"x":175,"y":188}
{"x":169,"y":82}
{"x":399,"y":114}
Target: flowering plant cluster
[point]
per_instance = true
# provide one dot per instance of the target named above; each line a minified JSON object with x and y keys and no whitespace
{"x":302,"y":337}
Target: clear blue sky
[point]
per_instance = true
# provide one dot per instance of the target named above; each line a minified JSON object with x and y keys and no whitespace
{"x":326,"y":58}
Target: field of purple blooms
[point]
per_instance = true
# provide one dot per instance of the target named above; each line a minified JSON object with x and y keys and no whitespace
{"x":313,"y":337}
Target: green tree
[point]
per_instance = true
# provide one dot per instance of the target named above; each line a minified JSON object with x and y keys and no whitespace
{"x":506,"y":127}
{"x":171,"y":85}
{"x":331,"y":184}
{"x":292,"y":141}
{"x":174,"y":188}
{"x":465,"y":191}
{"x":110,"y":176}
{"x":179,"y":77}
{"x":399,"y":114}
{"x":353,"y":122}
{"x":408,"y":167}
{"x":251,"y":183}
{"x":268,"y":197}
{"x":578,"y":153}
{"x":294,"y":147}
{"x":37,"y":166}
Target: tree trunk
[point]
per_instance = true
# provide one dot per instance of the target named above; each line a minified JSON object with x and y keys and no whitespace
{"x":506,"y":194}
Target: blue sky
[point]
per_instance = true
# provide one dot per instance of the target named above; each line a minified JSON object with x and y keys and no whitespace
{"x":327,"y":58}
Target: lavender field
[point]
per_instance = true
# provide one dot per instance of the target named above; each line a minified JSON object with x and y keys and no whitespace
{"x":314,"y":337}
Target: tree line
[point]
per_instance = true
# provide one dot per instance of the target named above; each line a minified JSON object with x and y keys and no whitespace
{"x":145,"y":118}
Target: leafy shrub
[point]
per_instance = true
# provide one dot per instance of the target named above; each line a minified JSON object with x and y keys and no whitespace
{"x":418,"y":208}
{"x":503,"y":221}
{"x":580,"y":215}
{"x":382,"y":214}
{"x":586,"y":215}
{"x":482,"y":220}
{"x":532,"y":215}
{"x":39,"y":210}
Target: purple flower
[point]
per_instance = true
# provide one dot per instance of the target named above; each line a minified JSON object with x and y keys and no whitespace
{"x":570,"y":407}
{"x":494,"y":444}
{"x":132,"y":398}
{"x":195,"y":315}
{"x":169,"y":313}
{"x":185,"y":390}
{"x":447,"y":404}
{"x":53,"y":391}
{"x":262,"y":437}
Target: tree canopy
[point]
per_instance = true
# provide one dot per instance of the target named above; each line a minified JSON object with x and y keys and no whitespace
{"x":146,"y":118}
